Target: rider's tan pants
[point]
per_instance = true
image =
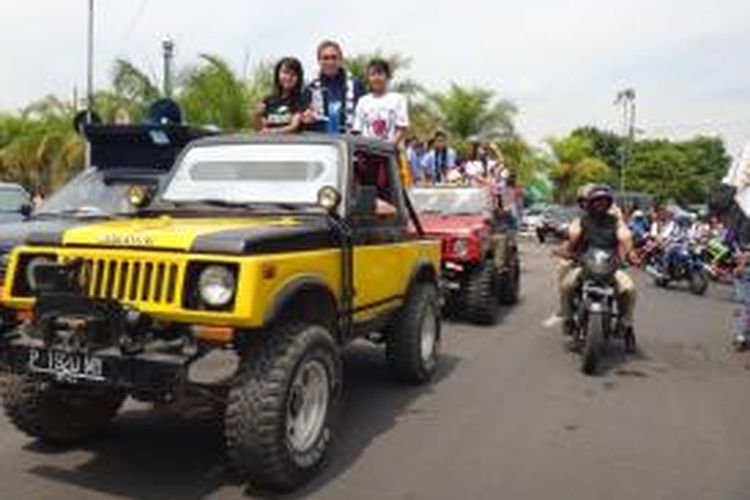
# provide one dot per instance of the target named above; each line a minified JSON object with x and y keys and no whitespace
{"x":569,"y":276}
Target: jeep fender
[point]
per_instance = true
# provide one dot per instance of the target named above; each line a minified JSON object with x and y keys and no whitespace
{"x":423,"y":272}
{"x":305,"y":297}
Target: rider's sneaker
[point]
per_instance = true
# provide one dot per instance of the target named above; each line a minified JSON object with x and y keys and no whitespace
{"x":740,"y":343}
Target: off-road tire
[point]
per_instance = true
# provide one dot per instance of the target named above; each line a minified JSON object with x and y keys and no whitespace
{"x":404,"y":341}
{"x":256,"y":415}
{"x":593,"y":344}
{"x":480,"y":295}
{"x":510,"y":285}
{"x":56,"y":413}
{"x":698,"y":283}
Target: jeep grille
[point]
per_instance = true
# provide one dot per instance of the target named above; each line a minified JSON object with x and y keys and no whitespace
{"x":131,"y":281}
{"x":152,"y":281}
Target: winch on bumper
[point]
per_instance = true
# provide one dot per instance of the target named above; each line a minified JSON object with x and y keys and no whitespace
{"x":77,"y":339}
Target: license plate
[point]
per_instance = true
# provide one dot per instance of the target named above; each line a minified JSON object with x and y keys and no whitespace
{"x":66,"y":366}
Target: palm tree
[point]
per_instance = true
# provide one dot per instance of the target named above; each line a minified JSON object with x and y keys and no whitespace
{"x":474,"y":113}
{"x":213,"y":94}
{"x":575,"y":165}
{"x":40,"y":148}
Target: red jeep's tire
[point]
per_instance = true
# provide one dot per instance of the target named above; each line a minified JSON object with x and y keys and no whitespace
{"x":279,"y":418}
{"x":56,"y":413}
{"x":413,"y":342}
{"x":480,"y":295}
{"x":510,"y":285}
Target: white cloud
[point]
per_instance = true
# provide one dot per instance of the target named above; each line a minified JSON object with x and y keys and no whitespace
{"x":561,"y":60}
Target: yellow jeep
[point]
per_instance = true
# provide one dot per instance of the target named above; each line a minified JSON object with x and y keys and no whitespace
{"x":259,"y":259}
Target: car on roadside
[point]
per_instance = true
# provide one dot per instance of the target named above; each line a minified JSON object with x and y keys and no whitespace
{"x":480,"y":258}
{"x":122,"y":157}
{"x":268,"y":253}
{"x":555,"y":223}
{"x":15,"y":202}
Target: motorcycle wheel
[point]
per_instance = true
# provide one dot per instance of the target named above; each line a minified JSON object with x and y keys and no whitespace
{"x":698,"y":282}
{"x":592,"y":348}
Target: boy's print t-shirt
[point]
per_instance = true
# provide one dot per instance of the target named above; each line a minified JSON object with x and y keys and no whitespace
{"x":380,"y":116}
{"x":280,"y":110}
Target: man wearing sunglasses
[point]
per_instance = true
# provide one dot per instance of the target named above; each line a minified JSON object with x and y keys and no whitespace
{"x":334,"y":94}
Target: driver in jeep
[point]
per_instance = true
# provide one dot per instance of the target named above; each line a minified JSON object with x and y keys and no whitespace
{"x":601,"y":228}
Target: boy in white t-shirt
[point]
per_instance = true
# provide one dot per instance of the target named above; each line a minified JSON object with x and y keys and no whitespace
{"x":382,"y":114}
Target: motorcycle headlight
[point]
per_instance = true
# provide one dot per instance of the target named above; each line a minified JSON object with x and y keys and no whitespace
{"x":217,"y":285}
{"x":461,"y":248}
{"x":600,"y":262}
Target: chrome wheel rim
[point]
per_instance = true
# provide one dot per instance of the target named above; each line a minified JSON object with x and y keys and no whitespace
{"x":307,"y":406}
{"x":428,"y":338}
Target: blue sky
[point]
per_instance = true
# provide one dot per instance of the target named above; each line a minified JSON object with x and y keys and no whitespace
{"x":561,"y":61}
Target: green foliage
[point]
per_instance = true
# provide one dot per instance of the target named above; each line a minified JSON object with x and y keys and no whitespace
{"x":467,"y":113}
{"x":575,"y":165}
{"x":39,"y":148}
{"x":683,"y":172}
{"x":214,"y":95}
{"x":607,"y":146}
{"x":527,"y":163}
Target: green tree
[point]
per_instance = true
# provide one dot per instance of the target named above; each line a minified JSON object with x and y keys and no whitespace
{"x":213,"y":94}
{"x":39,"y":148}
{"x":607,"y":146}
{"x":575,"y":165}
{"x":474,"y":112}
{"x":525,"y":162}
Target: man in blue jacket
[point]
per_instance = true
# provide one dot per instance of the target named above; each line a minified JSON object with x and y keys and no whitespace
{"x":334,"y":94}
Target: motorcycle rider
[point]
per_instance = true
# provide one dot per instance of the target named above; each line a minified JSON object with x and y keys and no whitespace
{"x":599,"y":227}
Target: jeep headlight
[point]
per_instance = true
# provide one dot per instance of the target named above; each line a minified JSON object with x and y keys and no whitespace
{"x":461,"y":248}
{"x":217,"y":285}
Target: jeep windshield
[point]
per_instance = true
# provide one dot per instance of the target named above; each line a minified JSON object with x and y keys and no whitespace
{"x":451,"y":201}
{"x":254,"y":175}
{"x":88,"y":195}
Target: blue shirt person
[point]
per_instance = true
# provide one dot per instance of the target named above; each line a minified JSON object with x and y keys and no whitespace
{"x":415,"y":153}
{"x":334,"y":94}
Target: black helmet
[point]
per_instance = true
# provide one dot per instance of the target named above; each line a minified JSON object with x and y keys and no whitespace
{"x":599,"y":199}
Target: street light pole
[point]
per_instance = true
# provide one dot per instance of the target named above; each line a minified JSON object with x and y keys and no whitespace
{"x":168,"y":47}
{"x":626,"y":98}
{"x":90,"y":77}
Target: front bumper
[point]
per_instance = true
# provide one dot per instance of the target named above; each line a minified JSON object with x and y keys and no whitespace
{"x":106,"y":367}
{"x":77,"y":340}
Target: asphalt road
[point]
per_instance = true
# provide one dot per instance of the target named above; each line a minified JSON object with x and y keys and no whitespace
{"x":509,"y":417}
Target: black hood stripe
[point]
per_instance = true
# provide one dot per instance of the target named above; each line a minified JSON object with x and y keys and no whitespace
{"x":307,"y":236}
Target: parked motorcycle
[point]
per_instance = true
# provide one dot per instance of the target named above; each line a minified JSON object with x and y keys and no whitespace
{"x":596,"y":316}
{"x":681,"y":263}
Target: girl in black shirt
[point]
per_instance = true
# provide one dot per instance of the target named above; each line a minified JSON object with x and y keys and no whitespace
{"x":281,"y":112}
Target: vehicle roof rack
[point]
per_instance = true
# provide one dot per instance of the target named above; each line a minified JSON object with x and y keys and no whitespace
{"x":139,"y":146}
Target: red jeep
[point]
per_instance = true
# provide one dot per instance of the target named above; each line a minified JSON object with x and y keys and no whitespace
{"x":481,"y":267}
